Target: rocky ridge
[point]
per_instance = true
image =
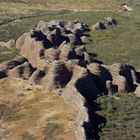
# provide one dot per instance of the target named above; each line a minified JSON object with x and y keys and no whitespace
{"x":48,"y":57}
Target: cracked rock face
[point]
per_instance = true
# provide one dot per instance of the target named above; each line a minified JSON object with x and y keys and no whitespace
{"x":48,"y":58}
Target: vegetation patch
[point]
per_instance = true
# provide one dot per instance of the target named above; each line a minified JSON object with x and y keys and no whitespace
{"x":27,"y":136}
{"x":9,"y":113}
{"x":52,"y":130}
{"x":122,"y":114}
{"x":7,"y":54}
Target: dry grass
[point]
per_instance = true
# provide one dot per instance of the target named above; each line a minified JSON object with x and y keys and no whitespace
{"x":35,"y":115}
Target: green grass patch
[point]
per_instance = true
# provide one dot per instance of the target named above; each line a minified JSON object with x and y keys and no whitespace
{"x":122,"y":116}
{"x":7,"y":54}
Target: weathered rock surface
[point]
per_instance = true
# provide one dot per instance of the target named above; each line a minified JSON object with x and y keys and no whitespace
{"x":58,"y":76}
{"x":67,"y":52}
{"x":125,"y":7}
{"x":13,"y":63}
{"x":36,"y":77}
{"x":33,"y":52}
{"x":84,"y":39}
{"x":98,"y":26}
{"x":122,"y":76}
{"x":111,"y":21}
{"x":22,"y":71}
{"x":137,"y":91}
{"x":58,"y":31}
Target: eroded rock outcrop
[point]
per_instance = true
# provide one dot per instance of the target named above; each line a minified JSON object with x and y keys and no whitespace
{"x":125,"y":7}
{"x":36,"y":77}
{"x":98,"y":26}
{"x":24,"y":70}
{"x":109,"y":21}
{"x":123,"y":77}
{"x":58,"y":31}
{"x":48,"y":58}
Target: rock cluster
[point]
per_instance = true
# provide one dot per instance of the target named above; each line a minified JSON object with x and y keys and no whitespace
{"x":43,"y":60}
{"x":109,"y":21}
{"x":58,"y":31}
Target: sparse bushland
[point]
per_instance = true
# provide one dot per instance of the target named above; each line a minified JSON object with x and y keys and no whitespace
{"x":122,"y":113}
